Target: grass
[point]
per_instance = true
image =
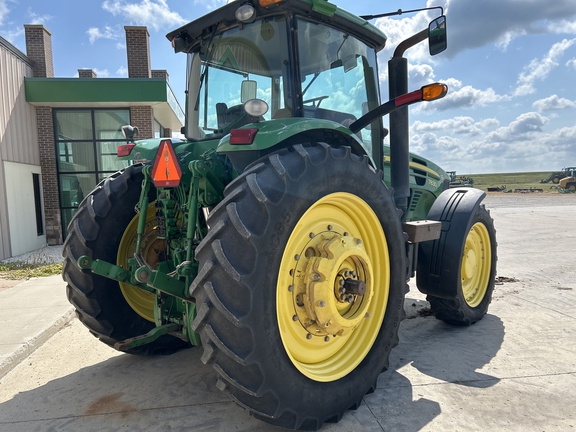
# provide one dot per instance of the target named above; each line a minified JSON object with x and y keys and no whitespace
{"x":22,"y":270}
{"x":521,"y":180}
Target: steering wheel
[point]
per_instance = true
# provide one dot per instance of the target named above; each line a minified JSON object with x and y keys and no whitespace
{"x":313,"y":101}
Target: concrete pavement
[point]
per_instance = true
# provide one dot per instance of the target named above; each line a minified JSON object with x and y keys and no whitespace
{"x":515,"y":370}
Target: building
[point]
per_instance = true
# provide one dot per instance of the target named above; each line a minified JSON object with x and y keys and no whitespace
{"x":58,"y":136}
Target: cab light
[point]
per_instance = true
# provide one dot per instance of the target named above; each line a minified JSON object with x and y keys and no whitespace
{"x":166,"y":171}
{"x":125,"y":149}
{"x":266,"y":3}
{"x":243,"y":136}
{"x":245,"y":13}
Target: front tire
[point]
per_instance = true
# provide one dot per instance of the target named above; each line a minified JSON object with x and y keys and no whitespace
{"x":287,"y":343}
{"x":103,"y":226}
{"x":476,"y":275}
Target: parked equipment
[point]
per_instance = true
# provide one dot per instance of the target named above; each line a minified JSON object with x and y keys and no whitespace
{"x":281,"y":233}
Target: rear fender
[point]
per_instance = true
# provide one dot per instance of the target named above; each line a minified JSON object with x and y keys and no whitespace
{"x":275,"y":134}
{"x":438,"y":267}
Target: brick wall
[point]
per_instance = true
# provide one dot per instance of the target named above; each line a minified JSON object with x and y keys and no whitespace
{"x":39,"y":50}
{"x":160,"y":73}
{"x":138,"y":51}
{"x":143,"y":118}
{"x":46,"y":144}
{"x":86,"y":73}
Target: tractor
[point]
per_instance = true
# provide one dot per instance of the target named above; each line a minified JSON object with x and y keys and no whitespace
{"x":281,"y":233}
{"x":568,"y":183}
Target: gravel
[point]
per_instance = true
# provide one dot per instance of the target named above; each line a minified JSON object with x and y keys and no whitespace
{"x":44,"y":255}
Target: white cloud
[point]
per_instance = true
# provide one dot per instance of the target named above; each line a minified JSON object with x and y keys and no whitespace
{"x":459,"y":125}
{"x":38,"y":19}
{"x":552,"y":103}
{"x":522,"y":128}
{"x":154,"y":14}
{"x":210,"y":4}
{"x":122,"y":71}
{"x":473,"y":24}
{"x":101,"y":73}
{"x":4,"y":11}
{"x":571,"y":63}
{"x":538,"y":69}
{"x":94,"y":33}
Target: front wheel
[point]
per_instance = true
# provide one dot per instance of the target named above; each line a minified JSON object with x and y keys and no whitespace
{"x":301,"y":285}
{"x":476,"y":274}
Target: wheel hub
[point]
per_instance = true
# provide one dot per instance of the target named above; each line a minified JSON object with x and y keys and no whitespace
{"x":332,"y":285}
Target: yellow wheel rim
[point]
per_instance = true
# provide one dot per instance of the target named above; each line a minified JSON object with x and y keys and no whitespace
{"x":333,"y":287}
{"x":476,"y":265}
{"x":152,"y":248}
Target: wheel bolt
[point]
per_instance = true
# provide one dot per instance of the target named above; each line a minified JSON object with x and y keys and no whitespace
{"x":329,"y":227}
{"x":342,"y":290}
{"x":326,"y":338}
{"x":367,"y":315}
{"x":312,"y":235}
{"x":315,"y":276}
{"x":321,"y":303}
{"x":358,"y":241}
{"x":295,"y":318}
{"x":290,"y":288}
{"x":345,"y":234}
{"x":308,"y":336}
{"x":341,"y":283}
{"x":296,"y":257}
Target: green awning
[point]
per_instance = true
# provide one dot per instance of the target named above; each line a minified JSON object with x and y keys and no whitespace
{"x":108,"y":93}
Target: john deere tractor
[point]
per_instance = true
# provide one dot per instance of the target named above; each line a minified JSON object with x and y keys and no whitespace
{"x":280,"y":234}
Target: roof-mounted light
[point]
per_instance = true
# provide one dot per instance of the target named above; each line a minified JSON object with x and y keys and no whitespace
{"x":245,"y":13}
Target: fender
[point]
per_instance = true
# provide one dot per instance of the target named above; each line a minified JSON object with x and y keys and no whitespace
{"x":455,"y":208}
{"x":272,"y":132}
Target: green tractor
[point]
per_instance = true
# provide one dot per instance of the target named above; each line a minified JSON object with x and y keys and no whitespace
{"x":281,"y":233}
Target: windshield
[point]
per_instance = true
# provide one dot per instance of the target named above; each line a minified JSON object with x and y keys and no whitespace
{"x":239,"y":64}
{"x":338,"y":74}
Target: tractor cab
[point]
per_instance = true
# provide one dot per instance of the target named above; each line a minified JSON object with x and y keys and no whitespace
{"x":263,"y":61}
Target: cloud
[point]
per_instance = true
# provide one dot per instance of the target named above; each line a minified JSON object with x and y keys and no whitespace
{"x":538,"y":69}
{"x":122,"y":71}
{"x":154,"y":14}
{"x":473,"y":24}
{"x":94,"y":33}
{"x":38,"y":19}
{"x":101,"y":73}
{"x":461,"y":125}
{"x":552,"y":103}
{"x":4,"y":11}
{"x":210,"y":4}
{"x":522,"y":128}
{"x":571,"y":63}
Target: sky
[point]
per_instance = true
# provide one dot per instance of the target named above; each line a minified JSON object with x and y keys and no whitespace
{"x":510,"y":67}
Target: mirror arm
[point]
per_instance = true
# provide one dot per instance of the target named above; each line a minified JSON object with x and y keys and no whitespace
{"x":410,"y":42}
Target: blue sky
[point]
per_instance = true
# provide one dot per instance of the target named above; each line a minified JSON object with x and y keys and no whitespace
{"x":510,"y":67}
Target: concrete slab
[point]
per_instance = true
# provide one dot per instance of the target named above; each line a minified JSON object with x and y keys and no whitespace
{"x":515,"y":370}
{"x":30,"y":313}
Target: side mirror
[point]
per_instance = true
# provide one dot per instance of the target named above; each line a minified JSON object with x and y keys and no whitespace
{"x":437,"y":40}
{"x":248,"y":90}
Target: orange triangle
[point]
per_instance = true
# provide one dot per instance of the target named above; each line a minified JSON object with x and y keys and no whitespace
{"x":166,"y":171}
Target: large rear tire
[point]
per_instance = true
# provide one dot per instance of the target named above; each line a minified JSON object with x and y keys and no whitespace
{"x":104,"y":228}
{"x":287,"y":342}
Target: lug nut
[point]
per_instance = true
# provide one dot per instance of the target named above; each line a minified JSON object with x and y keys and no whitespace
{"x":290,"y":288}
{"x":296,"y":257}
{"x":315,"y":276}
{"x":308,"y":336}
{"x":329,"y":227}
{"x":358,"y":241}
{"x":326,"y":338}
{"x":312,"y":235}
{"x":321,"y":303}
{"x":295,"y":318}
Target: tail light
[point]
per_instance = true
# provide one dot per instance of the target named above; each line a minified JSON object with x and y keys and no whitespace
{"x":125,"y":149}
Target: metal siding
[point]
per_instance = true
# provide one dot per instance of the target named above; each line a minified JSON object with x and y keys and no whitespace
{"x":18,"y":130}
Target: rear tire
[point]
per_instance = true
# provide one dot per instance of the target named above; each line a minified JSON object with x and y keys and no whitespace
{"x":289,"y":220}
{"x":97,"y":230}
{"x":477,"y":264}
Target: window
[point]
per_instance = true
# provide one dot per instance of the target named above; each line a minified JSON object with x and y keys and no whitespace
{"x":86,"y":146}
{"x":38,"y":203}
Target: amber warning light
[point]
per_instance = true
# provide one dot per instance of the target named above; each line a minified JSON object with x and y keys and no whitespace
{"x":166,"y":171}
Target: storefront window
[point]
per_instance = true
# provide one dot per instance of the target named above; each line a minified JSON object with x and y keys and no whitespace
{"x":86,"y":146}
